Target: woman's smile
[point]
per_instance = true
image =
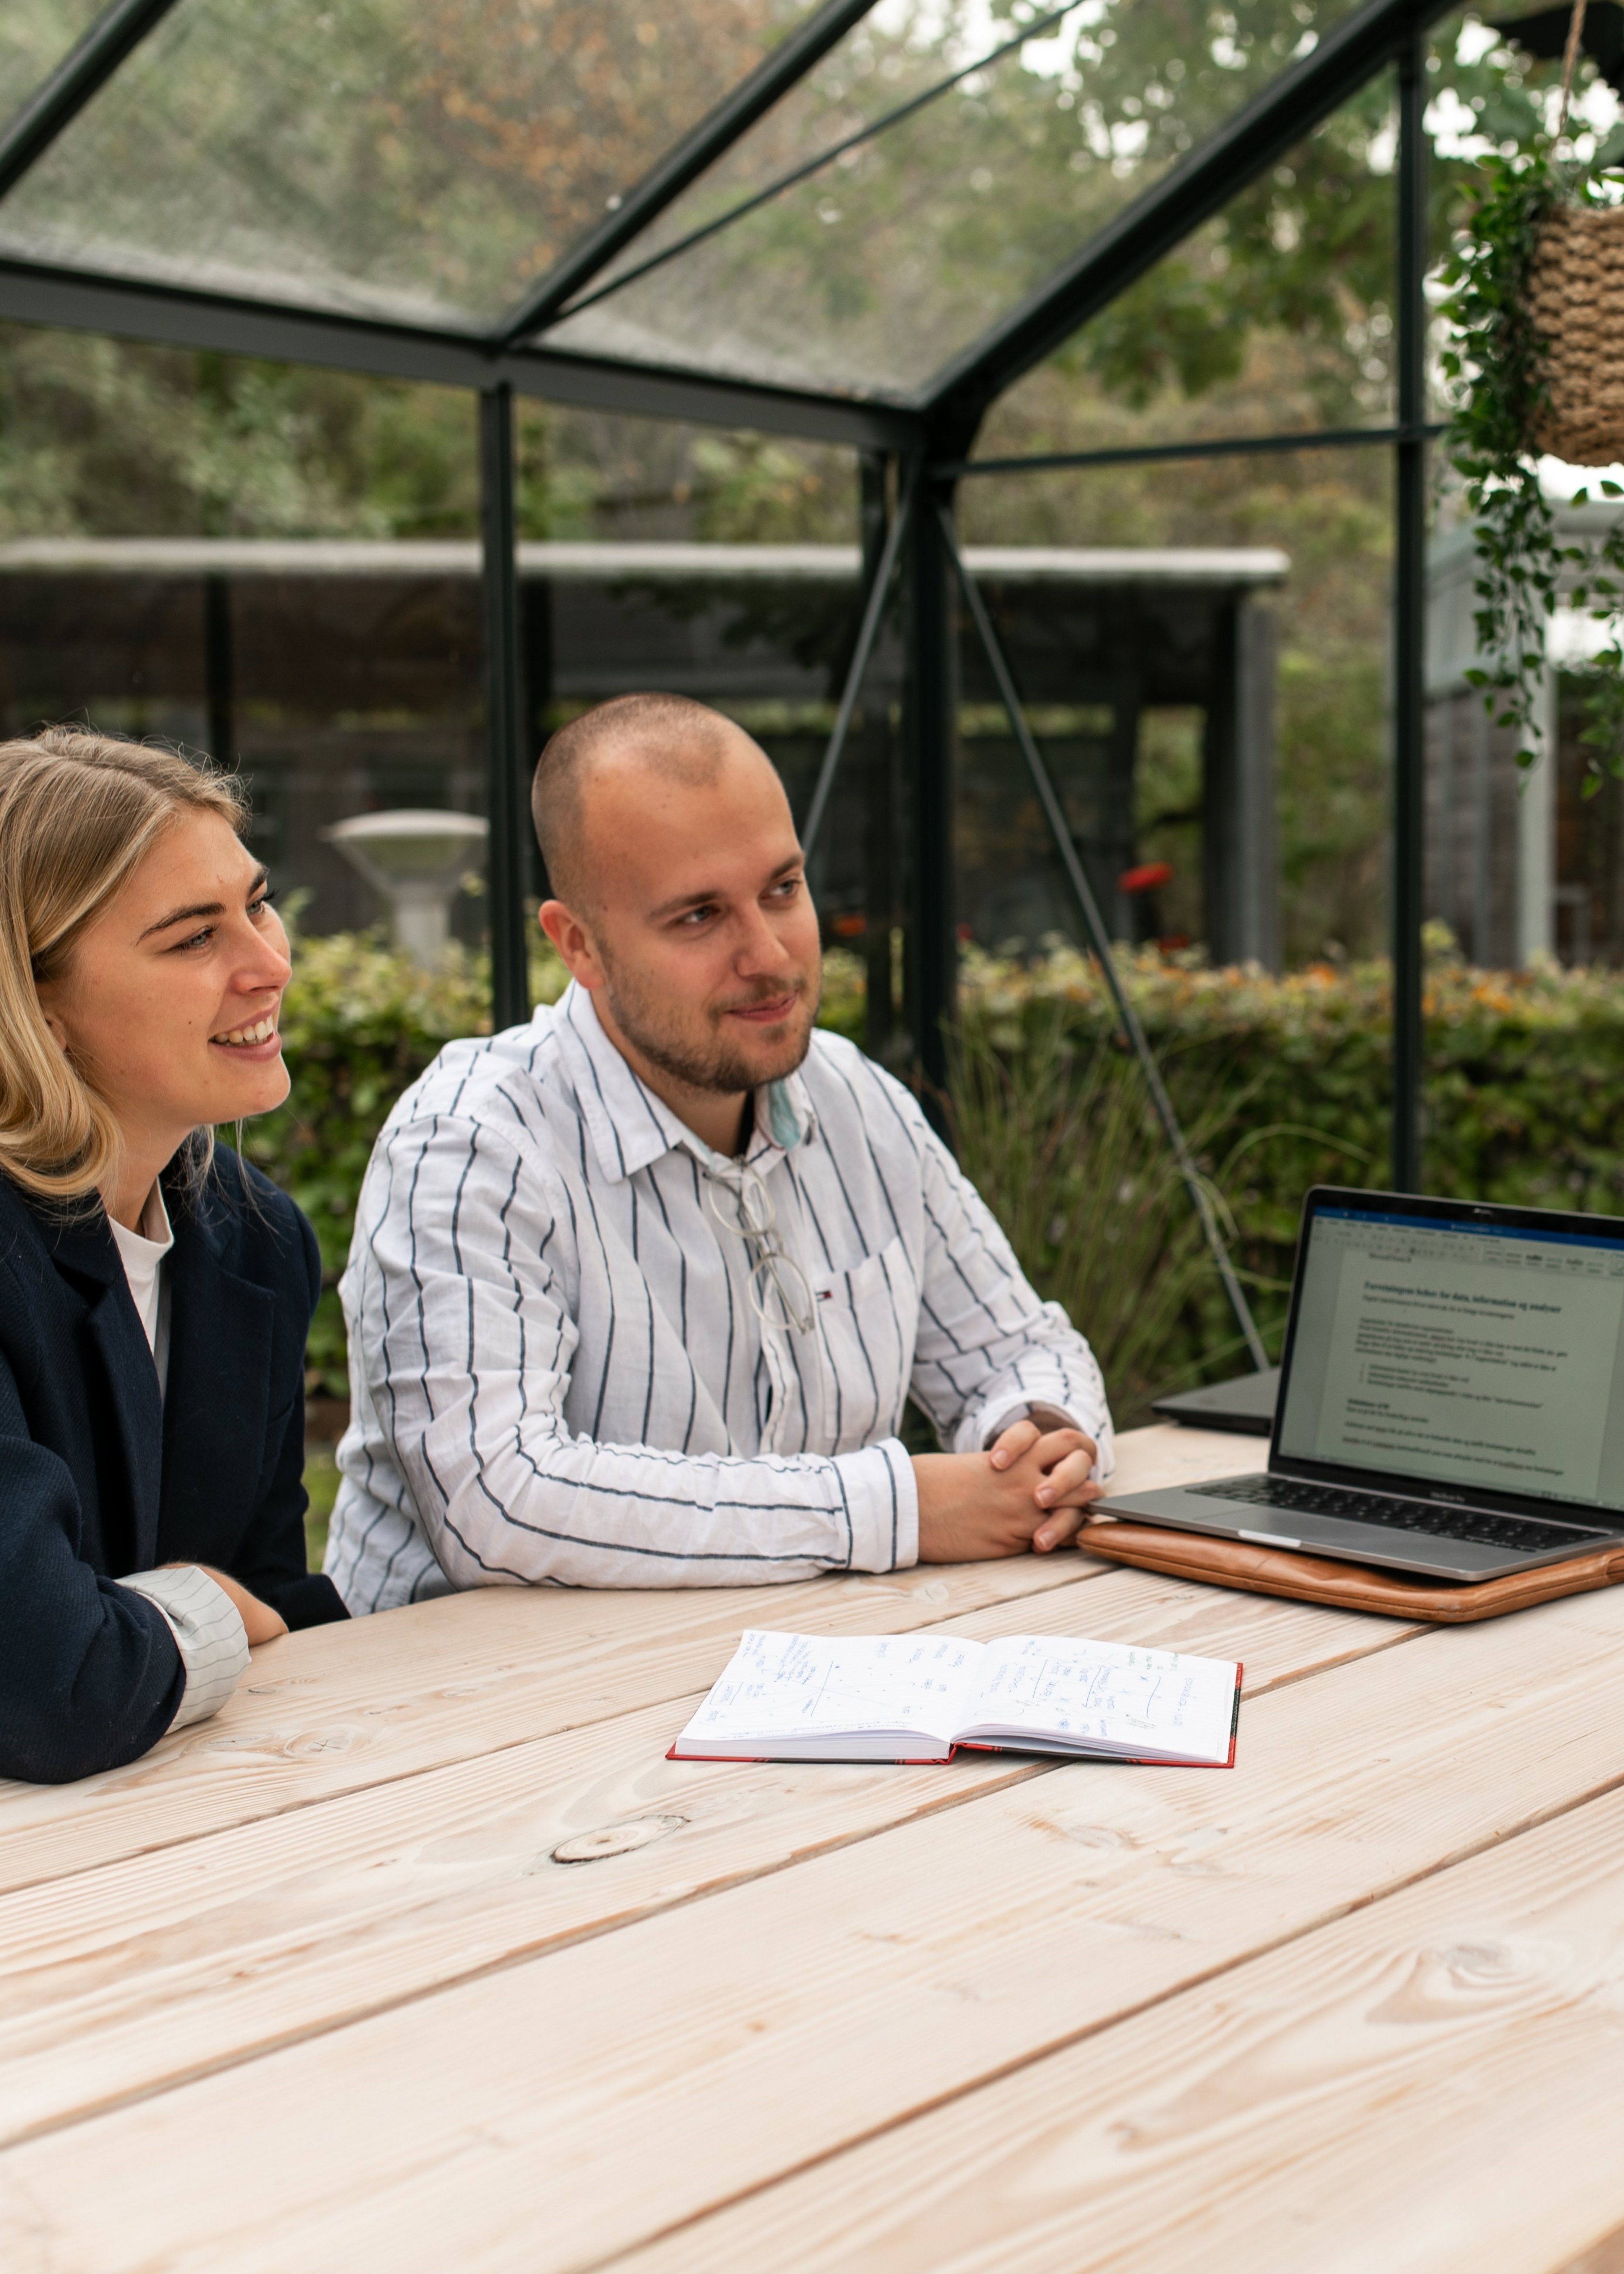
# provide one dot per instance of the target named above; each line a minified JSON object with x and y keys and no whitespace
{"x":260,"y":1040}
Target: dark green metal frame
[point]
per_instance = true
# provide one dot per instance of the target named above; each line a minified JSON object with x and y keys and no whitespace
{"x":931,"y":435}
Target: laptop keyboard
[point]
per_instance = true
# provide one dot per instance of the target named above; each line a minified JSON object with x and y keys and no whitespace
{"x":1521,"y":1535}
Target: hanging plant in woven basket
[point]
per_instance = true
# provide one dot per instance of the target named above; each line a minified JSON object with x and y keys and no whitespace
{"x":1575,"y":301}
{"x":1537,"y":366}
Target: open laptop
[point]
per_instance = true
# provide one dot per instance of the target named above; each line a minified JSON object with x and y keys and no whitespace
{"x":1451,"y":1396}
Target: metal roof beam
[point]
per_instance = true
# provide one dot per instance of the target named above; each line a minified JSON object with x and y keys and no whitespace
{"x":82,"y":73}
{"x":1287,"y":110}
{"x":788,"y":64}
{"x":1220,"y":446}
{"x":869,"y":132}
{"x":172,"y":317}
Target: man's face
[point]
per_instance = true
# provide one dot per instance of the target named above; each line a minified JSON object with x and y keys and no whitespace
{"x":701,"y":924}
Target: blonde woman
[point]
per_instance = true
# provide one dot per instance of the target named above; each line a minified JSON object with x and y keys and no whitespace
{"x":155,"y":1294}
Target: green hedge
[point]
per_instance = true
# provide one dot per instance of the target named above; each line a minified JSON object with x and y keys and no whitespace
{"x":1286,"y":1082}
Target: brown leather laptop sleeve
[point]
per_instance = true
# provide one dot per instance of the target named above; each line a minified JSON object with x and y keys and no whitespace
{"x":1345,"y":1587}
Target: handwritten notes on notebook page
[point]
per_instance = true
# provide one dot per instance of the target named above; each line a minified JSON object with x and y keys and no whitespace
{"x":914,"y":1697}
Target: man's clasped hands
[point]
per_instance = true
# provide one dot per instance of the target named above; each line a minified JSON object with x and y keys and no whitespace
{"x":1030,"y":1488}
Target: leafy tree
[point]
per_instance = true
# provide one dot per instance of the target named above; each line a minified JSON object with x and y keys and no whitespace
{"x":98,"y":437}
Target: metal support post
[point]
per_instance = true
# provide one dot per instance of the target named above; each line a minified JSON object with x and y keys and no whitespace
{"x":873,"y":616}
{"x":876,"y":757}
{"x":504,"y":708}
{"x":219,"y":671}
{"x":1240,"y":850}
{"x":932,"y":944}
{"x":536,"y":686}
{"x":1409,"y":620}
{"x":1053,"y":813}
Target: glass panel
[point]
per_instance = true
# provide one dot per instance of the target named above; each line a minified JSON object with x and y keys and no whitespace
{"x":874,"y":272}
{"x":425,"y":159}
{"x":891,"y":58}
{"x":1277,"y":315}
{"x":34,"y":37}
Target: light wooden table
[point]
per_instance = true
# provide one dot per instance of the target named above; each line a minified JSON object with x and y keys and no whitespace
{"x":423,"y":1957}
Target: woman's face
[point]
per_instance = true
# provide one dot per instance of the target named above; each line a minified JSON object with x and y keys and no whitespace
{"x":170,"y":1003}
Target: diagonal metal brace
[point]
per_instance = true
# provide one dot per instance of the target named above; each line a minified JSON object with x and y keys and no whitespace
{"x":874,"y":612}
{"x":81,"y":74}
{"x":1077,"y":876}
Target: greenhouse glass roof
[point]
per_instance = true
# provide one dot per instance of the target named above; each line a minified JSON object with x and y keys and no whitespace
{"x":861,"y":219}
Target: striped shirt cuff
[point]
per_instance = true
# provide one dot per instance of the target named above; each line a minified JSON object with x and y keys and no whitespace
{"x":208,"y":1633}
{"x":881,"y":1503}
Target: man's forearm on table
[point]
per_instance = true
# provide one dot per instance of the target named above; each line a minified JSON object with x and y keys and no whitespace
{"x":576,"y":1513}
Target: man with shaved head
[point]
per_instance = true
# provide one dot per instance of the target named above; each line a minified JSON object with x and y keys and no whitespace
{"x":638,"y":1292}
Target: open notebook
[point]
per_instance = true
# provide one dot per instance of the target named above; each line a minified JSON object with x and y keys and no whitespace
{"x":914,"y":1697}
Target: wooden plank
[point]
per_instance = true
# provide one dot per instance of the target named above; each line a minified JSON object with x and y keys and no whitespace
{"x":162,"y":1966}
{"x":570,"y":2106}
{"x":1603,"y":2257}
{"x":1435,"y":2086}
{"x":1166,"y":1453}
{"x":337,"y":1708}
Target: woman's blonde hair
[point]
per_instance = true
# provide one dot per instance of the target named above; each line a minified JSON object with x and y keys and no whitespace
{"x":78,"y":813}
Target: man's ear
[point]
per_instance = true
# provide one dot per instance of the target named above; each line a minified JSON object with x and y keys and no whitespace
{"x":564,"y":928}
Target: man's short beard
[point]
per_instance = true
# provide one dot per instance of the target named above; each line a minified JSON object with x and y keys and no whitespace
{"x":717,"y":1071}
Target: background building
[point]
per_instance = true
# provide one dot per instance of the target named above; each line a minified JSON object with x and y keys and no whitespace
{"x":1518,"y":864}
{"x":346,"y":677}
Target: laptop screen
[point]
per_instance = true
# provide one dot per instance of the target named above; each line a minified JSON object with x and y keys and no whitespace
{"x":1487,"y":1356}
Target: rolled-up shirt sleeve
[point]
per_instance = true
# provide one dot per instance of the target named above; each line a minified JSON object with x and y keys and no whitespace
{"x":988,"y":1349}
{"x":468,"y":1291}
{"x":208,"y":1633}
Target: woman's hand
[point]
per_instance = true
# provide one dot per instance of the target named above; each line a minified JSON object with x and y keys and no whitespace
{"x":260,"y":1623}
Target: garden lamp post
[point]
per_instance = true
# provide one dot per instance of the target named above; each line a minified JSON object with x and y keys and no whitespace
{"x":416,"y":860}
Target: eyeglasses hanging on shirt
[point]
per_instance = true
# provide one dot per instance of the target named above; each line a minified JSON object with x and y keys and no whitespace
{"x":780,"y":1292}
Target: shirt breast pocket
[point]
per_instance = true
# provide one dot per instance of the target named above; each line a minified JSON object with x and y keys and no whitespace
{"x":867,"y":1320}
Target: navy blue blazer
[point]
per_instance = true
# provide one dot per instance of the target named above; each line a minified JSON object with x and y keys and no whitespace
{"x":99,"y":1477}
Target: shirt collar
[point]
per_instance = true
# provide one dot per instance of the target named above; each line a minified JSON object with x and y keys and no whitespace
{"x":630,"y":1126}
{"x":147,"y":1247}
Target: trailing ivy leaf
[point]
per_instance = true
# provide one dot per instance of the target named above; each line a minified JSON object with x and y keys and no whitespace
{"x":1497,"y":368}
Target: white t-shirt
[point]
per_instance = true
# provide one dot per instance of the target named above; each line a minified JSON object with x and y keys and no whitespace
{"x":143,"y":1255}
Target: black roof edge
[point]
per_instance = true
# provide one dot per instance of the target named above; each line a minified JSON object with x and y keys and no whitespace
{"x":173,"y":316}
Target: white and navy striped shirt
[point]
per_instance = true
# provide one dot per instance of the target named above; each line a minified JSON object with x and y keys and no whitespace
{"x":557,"y":1369}
{"x":208,"y":1632}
